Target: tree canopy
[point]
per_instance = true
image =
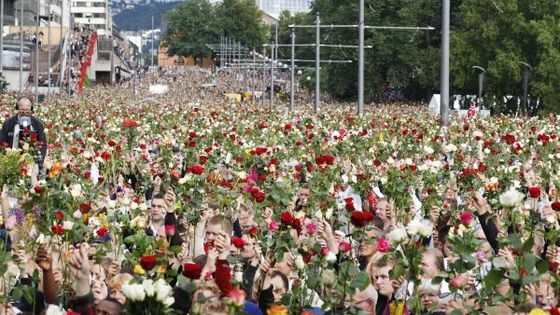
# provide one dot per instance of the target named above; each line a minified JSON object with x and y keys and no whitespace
{"x":196,"y":23}
{"x":495,"y":34}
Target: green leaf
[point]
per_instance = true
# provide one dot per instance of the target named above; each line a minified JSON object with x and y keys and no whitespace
{"x":542,"y":266}
{"x":499,"y":262}
{"x":361,"y":281}
{"x":493,"y":278}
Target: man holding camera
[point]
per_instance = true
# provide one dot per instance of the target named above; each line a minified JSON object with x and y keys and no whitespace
{"x":24,"y":128}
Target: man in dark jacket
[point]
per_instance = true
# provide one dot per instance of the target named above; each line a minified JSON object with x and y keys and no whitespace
{"x":24,"y":127}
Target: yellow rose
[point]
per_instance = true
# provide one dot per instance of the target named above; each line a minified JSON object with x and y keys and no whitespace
{"x":538,"y":311}
{"x":139,"y":270}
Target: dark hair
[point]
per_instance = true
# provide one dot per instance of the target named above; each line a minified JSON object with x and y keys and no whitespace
{"x":283,"y":277}
{"x":158,"y":196}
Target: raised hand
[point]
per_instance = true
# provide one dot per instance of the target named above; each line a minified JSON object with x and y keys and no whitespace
{"x":43,"y":260}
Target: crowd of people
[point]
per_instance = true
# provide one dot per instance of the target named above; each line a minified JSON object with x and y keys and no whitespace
{"x":186,"y":203}
{"x":80,"y":38}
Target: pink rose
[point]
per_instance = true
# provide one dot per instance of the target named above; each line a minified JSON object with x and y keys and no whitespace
{"x":459,"y":281}
{"x":311,"y":228}
{"x":325,"y":250}
{"x":382,"y":245}
{"x":273,"y":226}
{"x":344,"y":246}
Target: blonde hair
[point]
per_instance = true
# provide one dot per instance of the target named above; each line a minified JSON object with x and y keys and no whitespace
{"x":119,"y":280}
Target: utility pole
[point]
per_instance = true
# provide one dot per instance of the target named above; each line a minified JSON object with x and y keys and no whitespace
{"x":20,"y":47}
{"x":361,"y":29}
{"x":36,"y":75}
{"x":292,"y":83}
{"x":152,"y":51}
{"x":49,"y":52}
{"x":272,"y":65}
{"x":317,"y":65}
{"x":444,"y":76}
{"x":263,"y":77}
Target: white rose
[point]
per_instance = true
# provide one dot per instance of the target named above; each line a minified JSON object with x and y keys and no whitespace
{"x":300,"y":264}
{"x":40,"y":239}
{"x":135,"y":292}
{"x":416,"y":227}
{"x":328,"y":213}
{"x":67,"y":225}
{"x":77,"y":214}
{"x":397,"y":235}
{"x":428,"y":150}
{"x":511,"y":198}
{"x":143,"y":206}
{"x":163,"y":290}
{"x":450,"y":148}
{"x":76,"y":190}
{"x":133,"y":206}
{"x":149,"y":287}
{"x":331,"y":257}
{"x":169,"y":301}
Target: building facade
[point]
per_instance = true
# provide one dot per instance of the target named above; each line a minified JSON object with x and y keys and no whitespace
{"x":275,"y":7}
{"x":92,"y":13}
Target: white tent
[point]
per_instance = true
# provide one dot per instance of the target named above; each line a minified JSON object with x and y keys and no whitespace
{"x":434,"y":105}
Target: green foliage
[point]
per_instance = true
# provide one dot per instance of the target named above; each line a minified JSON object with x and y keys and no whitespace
{"x":498,"y":37}
{"x":196,"y":23}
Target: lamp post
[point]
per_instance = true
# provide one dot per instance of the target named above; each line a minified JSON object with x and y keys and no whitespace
{"x":525,"y":76}
{"x":444,"y":74}
{"x":481,"y":74}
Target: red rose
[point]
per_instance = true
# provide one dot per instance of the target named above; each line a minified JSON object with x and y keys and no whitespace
{"x":203,"y":159}
{"x":192,"y":271}
{"x":260,"y":196}
{"x":482,"y":168}
{"x":553,"y":266}
{"x":287,"y":218}
{"x":58,"y":229}
{"x":535,"y":192}
{"x":196,"y":169}
{"x":360,"y":219}
{"x":252,"y":231}
{"x":349,"y":204}
{"x":111,"y":143}
{"x":466,"y":218}
{"x":148,"y":262}
{"x":288,"y":126}
{"x":320,"y":160}
{"x":59,"y":215}
{"x":329,"y":159}
{"x":556,"y":206}
{"x":38,"y":189}
{"x":238,"y":242}
{"x":261,"y":150}
{"x":377,"y":163}
{"x":129,"y":123}
{"x":85,"y":207}
{"x":102,"y":231}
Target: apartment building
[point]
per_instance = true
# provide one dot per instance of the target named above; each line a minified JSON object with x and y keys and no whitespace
{"x":93,"y":13}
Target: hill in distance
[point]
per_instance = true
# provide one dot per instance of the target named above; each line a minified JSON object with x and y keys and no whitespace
{"x":132,"y":16}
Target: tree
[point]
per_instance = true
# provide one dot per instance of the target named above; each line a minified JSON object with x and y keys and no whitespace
{"x":197,"y":23}
{"x":500,"y":35}
{"x":191,"y":26}
{"x":241,"y":21}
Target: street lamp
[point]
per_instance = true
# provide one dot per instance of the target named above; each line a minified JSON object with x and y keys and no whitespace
{"x":481,"y":74}
{"x":525,"y":76}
